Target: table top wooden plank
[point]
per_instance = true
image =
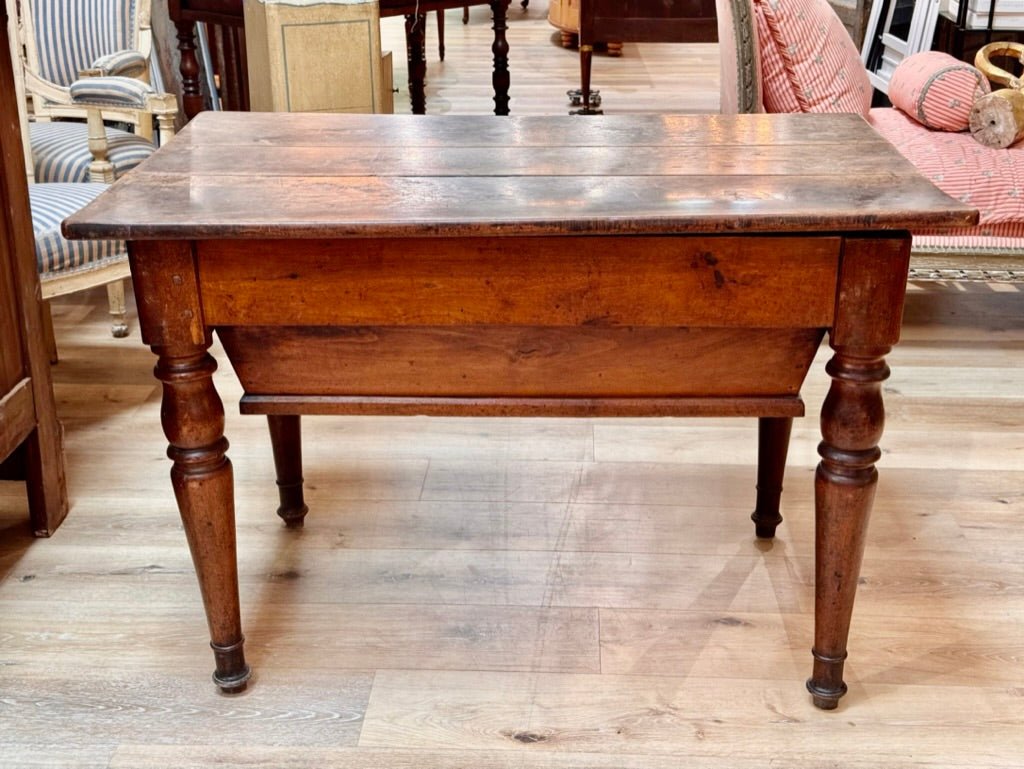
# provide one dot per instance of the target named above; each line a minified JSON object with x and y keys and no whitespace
{"x":240,"y":175}
{"x":678,"y":160}
{"x":263,"y":129}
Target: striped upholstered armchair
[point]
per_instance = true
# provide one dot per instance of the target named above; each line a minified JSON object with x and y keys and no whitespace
{"x":79,"y":65}
{"x":85,"y":64}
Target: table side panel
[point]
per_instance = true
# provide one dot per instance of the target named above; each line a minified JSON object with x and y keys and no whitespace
{"x":772,"y":282}
{"x":521,"y":361}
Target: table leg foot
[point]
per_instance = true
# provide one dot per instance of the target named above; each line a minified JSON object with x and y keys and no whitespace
{"x":286,"y":440}
{"x":826,"y":682}
{"x":232,"y":673}
{"x":772,"y":447}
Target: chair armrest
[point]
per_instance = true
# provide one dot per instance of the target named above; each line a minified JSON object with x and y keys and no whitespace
{"x":113,"y":91}
{"x":127,"y":63}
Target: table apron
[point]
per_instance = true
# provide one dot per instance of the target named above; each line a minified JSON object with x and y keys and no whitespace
{"x":766,"y":282}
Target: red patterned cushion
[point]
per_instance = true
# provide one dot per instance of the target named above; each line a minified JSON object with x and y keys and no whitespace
{"x":937,"y":90}
{"x":808,"y":60}
{"x":991,"y":180}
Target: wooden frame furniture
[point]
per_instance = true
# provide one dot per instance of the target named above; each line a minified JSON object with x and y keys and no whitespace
{"x":953,"y":161}
{"x":640,"y":21}
{"x":415,"y":45}
{"x":629,"y":266}
{"x":229,"y":14}
{"x":30,"y":435}
{"x":76,"y":59}
{"x":90,"y":61}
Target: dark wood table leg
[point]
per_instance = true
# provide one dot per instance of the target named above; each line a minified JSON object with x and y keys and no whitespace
{"x":851,"y":424}
{"x":286,"y":439}
{"x":415,"y":40}
{"x":772,"y":447}
{"x":191,"y":92}
{"x":192,"y":415}
{"x":440,"y":34}
{"x":500,"y":78}
{"x":873,"y":284}
{"x":193,"y":421}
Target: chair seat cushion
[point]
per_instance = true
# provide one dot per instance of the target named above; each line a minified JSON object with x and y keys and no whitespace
{"x":60,"y":151}
{"x":51,"y":204}
{"x":991,"y":180}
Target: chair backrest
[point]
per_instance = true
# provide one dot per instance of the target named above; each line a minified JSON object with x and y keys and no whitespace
{"x":799,"y":52}
{"x":19,"y":91}
{"x":64,"y":37}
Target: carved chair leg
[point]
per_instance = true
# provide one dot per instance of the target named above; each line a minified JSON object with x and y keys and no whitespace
{"x":118,"y":309}
{"x":772,"y":448}
{"x":100,"y":169}
{"x":286,"y":440}
{"x":193,"y":421}
{"x":851,"y":424}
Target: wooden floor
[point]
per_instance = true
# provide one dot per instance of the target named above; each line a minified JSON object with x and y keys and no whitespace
{"x":534,"y":594}
{"x":648,"y":78}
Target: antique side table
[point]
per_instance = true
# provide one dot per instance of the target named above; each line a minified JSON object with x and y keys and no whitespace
{"x":624,"y":266}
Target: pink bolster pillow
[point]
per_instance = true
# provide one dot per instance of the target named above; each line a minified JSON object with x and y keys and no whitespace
{"x":937,"y":90}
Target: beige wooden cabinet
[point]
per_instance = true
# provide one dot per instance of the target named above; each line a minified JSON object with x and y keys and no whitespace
{"x":316,"y":56}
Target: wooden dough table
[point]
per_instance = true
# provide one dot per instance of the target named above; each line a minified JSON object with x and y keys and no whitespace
{"x":538,"y":266}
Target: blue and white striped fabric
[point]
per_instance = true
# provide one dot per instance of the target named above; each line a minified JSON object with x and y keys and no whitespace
{"x":110,"y":91}
{"x":72,"y":34}
{"x":121,"y":63}
{"x":51,"y":204}
{"x":60,"y":151}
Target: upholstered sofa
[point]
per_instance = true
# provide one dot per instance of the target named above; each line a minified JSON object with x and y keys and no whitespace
{"x":796,"y":56}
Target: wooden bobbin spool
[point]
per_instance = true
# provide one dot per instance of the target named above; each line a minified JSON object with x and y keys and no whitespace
{"x":997,"y":118}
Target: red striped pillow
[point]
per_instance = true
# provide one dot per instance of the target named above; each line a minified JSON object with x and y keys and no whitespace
{"x":937,"y":90}
{"x":808,"y":60}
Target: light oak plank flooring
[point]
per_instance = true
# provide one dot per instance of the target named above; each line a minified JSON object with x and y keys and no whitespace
{"x":533,"y":594}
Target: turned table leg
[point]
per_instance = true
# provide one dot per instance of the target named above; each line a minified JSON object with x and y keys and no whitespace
{"x":286,"y":440}
{"x":500,"y":79}
{"x":191,"y":92}
{"x":193,"y":420}
{"x":852,"y":419}
{"x":415,"y":52}
{"x":772,"y":448}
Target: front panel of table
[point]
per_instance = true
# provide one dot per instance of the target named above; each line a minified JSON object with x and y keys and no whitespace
{"x":526,"y":325}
